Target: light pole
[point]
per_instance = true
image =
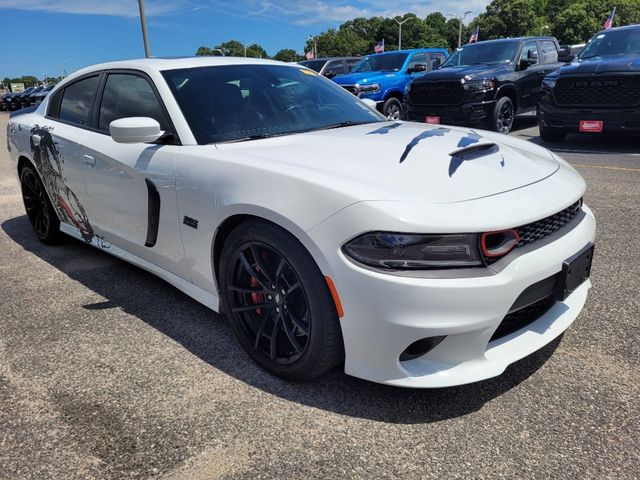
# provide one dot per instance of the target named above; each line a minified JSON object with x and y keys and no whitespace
{"x":460,"y":20}
{"x":62,"y":72}
{"x":245,"y":46}
{"x":400,"y":31}
{"x":143,"y":24}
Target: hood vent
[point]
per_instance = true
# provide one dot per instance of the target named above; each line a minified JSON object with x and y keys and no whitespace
{"x":475,"y":151}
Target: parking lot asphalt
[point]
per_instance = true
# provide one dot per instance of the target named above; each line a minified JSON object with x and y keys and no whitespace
{"x":108,"y":372}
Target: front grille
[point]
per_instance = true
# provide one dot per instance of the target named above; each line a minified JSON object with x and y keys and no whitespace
{"x":598,"y":91}
{"x":536,"y":231}
{"x":436,"y":93}
{"x":351,"y":89}
{"x":522,"y":317}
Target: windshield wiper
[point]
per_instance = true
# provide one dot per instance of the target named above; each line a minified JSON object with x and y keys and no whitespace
{"x":347,"y":123}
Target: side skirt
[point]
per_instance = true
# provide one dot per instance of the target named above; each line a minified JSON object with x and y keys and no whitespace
{"x":199,"y":295}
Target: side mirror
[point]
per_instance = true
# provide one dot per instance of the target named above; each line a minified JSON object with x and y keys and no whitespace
{"x":436,"y":62}
{"x":135,"y":130}
{"x":330,"y":74}
{"x":418,"y":67}
{"x":532,"y":57}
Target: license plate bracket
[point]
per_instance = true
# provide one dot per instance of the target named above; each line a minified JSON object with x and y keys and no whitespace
{"x":575,"y":271}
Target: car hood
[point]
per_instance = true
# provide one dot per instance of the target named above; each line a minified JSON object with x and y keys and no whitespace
{"x":364,"y":77}
{"x":401,"y":161}
{"x":613,"y":63}
{"x":470,"y":71}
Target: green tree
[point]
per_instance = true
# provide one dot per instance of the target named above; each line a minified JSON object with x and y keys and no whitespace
{"x":287,"y":55}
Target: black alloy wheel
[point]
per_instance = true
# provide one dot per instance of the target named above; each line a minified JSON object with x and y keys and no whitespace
{"x":39,"y":210}
{"x":503,"y":115}
{"x":278,"y":303}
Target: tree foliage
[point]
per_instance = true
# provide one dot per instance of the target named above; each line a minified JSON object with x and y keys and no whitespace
{"x":570,"y":21}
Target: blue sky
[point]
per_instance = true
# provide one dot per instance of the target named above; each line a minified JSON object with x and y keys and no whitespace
{"x":39,"y":34}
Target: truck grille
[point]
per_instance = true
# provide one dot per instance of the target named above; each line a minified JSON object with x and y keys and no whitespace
{"x":535,"y":231}
{"x":436,"y":93}
{"x":598,"y":91}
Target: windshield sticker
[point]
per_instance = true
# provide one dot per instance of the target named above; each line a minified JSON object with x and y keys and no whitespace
{"x":436,"y":132}
{"x":384,"y":130}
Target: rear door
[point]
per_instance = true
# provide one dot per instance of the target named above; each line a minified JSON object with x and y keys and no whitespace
{"x":59,"y":150}
{"x":132,"y":186}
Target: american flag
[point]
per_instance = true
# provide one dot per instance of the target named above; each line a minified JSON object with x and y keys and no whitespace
{"x":379,"y":48}
{"x":309,"y":55}
{"x":474,"y":36}
{"x":609,"y":23}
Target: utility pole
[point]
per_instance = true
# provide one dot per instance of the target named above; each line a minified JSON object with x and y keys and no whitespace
{"x":245,"y":47}
{"x":315,"y":45}
{"x":62,"y":72}
{"x":143,"y":23}
{"x":400,"y":31}
{"x":460,"y":20}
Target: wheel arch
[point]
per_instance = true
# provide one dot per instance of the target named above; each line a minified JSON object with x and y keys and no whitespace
{"x":393,"y":93}
{"x":508,"y":91}
{"x":239,"y":216}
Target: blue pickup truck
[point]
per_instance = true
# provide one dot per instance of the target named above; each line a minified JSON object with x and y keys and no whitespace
{"x":382,"y":77}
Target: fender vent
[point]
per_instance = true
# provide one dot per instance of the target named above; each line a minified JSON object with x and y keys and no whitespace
{"x":475,"y":151}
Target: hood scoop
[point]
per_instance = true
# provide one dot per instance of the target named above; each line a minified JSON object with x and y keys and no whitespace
{"x":478,"y":150}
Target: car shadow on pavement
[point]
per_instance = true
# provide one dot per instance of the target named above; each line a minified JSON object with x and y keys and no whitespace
{"x":207,"y":335}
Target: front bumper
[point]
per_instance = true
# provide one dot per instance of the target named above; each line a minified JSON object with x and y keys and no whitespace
{"x":385,"y":313}
{"x":468,"y":114}
{"x":619,"y":120}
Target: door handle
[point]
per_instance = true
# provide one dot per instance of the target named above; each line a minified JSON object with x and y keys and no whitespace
{"x":89,"y":160}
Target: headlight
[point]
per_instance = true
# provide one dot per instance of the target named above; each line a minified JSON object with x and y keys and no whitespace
{"x":549,"y":82}
{"x":482,"y":85}
{"x":407,"y":88}
{"x":370,"y":88}
{"x":401,"y":251}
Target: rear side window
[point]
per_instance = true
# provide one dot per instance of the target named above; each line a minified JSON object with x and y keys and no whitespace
{"x":127,"y":95}
{"x":548,"y":52}
{"x":77,"y":98}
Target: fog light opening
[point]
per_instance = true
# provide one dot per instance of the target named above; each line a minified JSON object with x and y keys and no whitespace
{"x":420,"y":347}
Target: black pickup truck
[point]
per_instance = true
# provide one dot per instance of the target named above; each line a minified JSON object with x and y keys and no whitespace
{"x":597,"y":93}
{"x":484,"y":84}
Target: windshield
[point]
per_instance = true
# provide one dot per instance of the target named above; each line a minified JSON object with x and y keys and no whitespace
{"x":246,"y":102}
{"x":614,"y":42}
{"x":491,"y":53}
{"x":386,"y":62}
{"x":313,"y":64}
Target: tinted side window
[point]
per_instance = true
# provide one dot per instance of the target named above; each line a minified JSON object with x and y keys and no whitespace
{"x":54,"y":104}
{"x":548,"y":52}
{"x":127,"y":95}
{"x":76,"y":101}
{"x":531,"y":45}
{"x":417,"y":59}
{"x":335,"y":67}
{"x":352,"y":62}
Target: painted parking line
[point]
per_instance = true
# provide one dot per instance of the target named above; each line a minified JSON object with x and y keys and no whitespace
{"x":607,"y":167}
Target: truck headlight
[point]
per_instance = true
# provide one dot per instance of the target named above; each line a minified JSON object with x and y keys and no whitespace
{"x":478,"y":86}
{"x":399,"y":251}
{"x":369,"y":88}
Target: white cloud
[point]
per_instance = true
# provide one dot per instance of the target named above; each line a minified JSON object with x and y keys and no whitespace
{"x":120,"y":8}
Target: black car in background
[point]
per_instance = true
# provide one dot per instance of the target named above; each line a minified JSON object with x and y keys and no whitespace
{"x":25,"y":98}
{"x":3,"y":97}
{"x":597,"y":93}
{"x":14,"y":100}
{"x":331,"y":66}
{"x":484,"y":84}
{"x":37,"y":98}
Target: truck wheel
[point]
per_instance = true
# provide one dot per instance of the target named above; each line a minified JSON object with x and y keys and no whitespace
{"x":503,"y":115}
{"x":392,"y":108}
{"x":549,"y":134}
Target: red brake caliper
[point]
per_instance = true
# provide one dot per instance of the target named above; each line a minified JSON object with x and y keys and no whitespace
{"x":256,"y":298}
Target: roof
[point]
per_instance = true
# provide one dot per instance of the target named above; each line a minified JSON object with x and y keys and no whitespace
{"x":625,"y":27}
{"x":410,"y":50}
{"x":514,"y":39}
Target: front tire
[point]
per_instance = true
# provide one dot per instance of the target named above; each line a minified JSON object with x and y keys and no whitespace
{"x":503,"y":116}
{"x":549,"y":134}
{"x":278,"y":303}
{"x":40,"y":212}
{"x":392,"y":108}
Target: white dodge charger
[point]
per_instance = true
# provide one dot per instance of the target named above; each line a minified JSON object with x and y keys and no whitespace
{"x":417,"y":255}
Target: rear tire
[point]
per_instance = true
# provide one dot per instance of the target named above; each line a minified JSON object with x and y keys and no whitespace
{"x":278,"y":302}
{"x":549,"y":134}
{"x":40,"y":212}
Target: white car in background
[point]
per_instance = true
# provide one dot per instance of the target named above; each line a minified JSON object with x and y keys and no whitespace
{"x":418,"y":255}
